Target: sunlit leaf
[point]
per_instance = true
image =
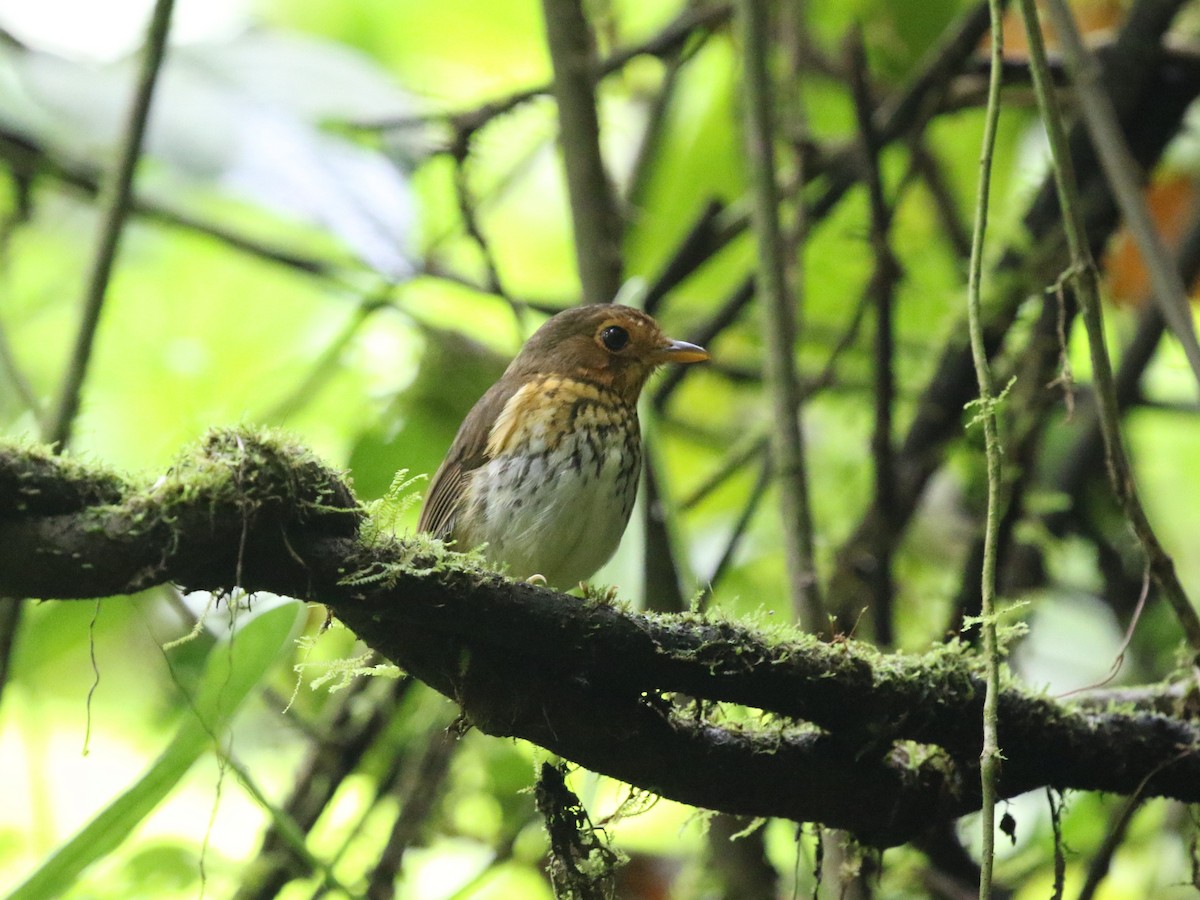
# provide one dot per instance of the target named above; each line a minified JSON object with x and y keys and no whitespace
{"x":234,"y":668}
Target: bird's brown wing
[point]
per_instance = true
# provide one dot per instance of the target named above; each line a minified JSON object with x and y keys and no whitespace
{"x":468,"y":452}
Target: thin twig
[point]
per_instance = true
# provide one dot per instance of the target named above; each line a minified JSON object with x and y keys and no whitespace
{"x":1083,"y":278}
{"x":667,"y":43}
{"x":594,"y":218}
{"x":26,"y":159}
{"x":283,"y":825}
{"x":660,"y":567}
{"x":702,"y":241}
{"x":10,"y":620}
{"x":911,"y":109}
{"x":1101,"y":861}
{"x":467,"y":210}
{"x":728,"y":313}
{"x":929,"y":168}
{"x":745,"y":451}
{"x":8,"y":358}
{"x":778,"y":323}
{"x":326,"y":364}
{"x":1122,"y":172}
{"x":903,"y":115}
{"x":989,"y":757}
{"x":115,"y":202}
{"x":648,"y":154}
{"x":12,"y":370}
{"x":1060,"y":860}
{"x":327,"y":765}
{"x":755,"y":444}
{"x":749,"y":508}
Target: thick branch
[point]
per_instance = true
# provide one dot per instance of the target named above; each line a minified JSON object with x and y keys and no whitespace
{"x":527,"y":662}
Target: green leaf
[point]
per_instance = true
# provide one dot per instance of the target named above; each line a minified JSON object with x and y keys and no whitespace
{"x":233,"y":669}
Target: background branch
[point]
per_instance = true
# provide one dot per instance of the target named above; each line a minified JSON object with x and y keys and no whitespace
{"x":594,"y":217}
{"x":1084,"y":278}
{"x":778,"y":325}
{"x":1170,"y":293}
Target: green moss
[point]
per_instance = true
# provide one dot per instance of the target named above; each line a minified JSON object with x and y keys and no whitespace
{"x":416,"y":554}
{"x":247,"y":471}
{"x":33,"y":478}
{"x":251,"y":469}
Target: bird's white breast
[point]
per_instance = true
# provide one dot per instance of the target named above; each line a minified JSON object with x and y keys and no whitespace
{"x":555,"y":498}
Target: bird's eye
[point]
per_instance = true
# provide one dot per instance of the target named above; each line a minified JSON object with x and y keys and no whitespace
{"x":615,"y":338}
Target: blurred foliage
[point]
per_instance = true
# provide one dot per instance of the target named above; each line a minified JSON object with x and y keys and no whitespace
{"x":380,"y":329}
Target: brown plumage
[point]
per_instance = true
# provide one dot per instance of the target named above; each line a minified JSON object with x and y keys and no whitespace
{"x":545,"y":466}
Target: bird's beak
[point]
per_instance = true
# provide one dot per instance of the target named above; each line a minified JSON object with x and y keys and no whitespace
{"x":680,"y":352}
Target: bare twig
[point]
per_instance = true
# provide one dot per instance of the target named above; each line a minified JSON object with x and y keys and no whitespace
{"x":27,"y":159}
{"x":723,"y":318}
{"x":1088,"y":449}
{"x":650,"y":141}
{"x":352,"y":734}
{"x":116,"y":197}
{"x":909,"y":110}
{"x":667,"y":43}
{"x":12,"y":370}
{"x":702,"y":241}
{"x":1142,"y":78}
{"x":8,"y":359}
{"x":326,"y":364}
{"x":755,"y":444}
{"x":10,"y":621}
{"x":466,"y":209}
{"x":283,"y":825}
{"x":749,"y":508}
{"x":1055,"y":801}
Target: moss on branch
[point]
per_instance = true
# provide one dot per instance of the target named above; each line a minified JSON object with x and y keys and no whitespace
{"x":881,"y":745}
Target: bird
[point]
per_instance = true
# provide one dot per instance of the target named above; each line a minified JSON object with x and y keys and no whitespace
{"x":544,"y":469}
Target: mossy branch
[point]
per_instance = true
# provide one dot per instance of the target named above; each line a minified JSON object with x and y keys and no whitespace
{"x":883,"y":746}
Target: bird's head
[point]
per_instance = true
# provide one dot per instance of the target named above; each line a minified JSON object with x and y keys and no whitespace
{"x":614,"y":345}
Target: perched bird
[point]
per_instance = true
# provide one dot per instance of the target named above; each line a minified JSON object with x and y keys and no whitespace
{"x":544,"y":469}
